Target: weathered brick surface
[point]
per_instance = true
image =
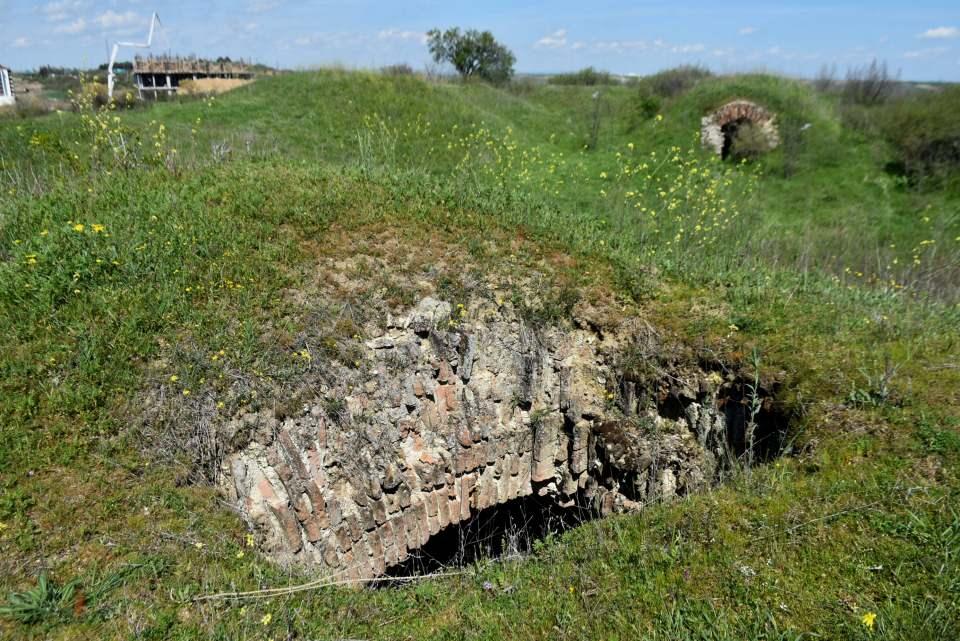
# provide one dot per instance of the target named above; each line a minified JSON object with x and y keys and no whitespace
{"x":448,"y":422}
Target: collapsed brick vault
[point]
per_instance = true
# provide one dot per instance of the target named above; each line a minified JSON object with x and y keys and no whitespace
{"x":718,"y":129}
{"x":455,"y":417}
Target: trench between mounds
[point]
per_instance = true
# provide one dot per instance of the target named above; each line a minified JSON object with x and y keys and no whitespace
{"x":756,"y":434}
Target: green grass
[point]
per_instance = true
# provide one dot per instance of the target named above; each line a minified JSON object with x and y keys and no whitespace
{"x":196,"y":256}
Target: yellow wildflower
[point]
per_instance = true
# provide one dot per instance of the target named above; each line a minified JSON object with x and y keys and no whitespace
{"x":97,"y":228}
{"x":267,"y":618}
{"x":174,"y":378}
{"x":79,"y":227}
{"x":868,"y":619}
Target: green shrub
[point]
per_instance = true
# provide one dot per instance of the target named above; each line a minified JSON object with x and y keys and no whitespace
{"x":748,"y":142}
{"x":44,"y":603}
{"x":402,"y":69}
{"x":871,"y":84}
{"x":924,"y":131}
{"x":671,"y":83}
{"x":644,"y":105}
{"x":587,"y":77}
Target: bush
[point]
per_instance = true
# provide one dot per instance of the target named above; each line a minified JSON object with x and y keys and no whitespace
{"x":924,"y":131}
{"x":402,"y":69}
{"x":588,"y":77}
{"x":644,"y":105}
{"x":679,"y":80}
{"x":868,"y":85}
{"x":32,"y":106}
{"x":95,"y":95}
{"x":826,"y":79}
{"x":748,"y":142}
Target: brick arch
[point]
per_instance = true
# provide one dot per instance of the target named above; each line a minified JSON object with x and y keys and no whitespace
{"x":717,"y":128}
{"x":446,"y":423}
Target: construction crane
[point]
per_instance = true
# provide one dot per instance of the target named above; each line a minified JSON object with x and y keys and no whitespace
{"x":154,"y":20}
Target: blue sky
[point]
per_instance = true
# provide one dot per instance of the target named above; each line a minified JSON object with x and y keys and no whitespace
{"x":920,"y":38}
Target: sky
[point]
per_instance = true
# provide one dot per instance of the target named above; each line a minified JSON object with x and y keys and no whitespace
{"x":918,"y":39}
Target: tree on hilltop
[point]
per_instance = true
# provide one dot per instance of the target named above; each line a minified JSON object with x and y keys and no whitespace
{"x":473,"y":54}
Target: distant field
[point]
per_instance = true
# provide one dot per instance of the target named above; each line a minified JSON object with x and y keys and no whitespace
{"x":136,"y":244}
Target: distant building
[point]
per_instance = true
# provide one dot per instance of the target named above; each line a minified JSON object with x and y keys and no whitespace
{"x":6,"y":88}
{"x":154,"y":76}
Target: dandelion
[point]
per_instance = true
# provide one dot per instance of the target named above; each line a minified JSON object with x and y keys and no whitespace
{"x":79,"y":227}
{"x":267,"y":618}
{"x":868,"y":620}
{"x":174,"y":378}
{"x":186,"y":392}
{"x":97,"y":228}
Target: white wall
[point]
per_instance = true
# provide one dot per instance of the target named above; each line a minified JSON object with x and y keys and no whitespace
{"x":6,"y":89}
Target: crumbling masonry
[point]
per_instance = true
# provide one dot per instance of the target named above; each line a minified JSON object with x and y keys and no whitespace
{"x":448,"y":417}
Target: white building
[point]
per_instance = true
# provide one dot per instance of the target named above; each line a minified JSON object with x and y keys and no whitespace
{"x":6,"y":88}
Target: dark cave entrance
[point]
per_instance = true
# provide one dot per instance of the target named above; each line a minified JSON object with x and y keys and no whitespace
{"x":729,"y":131}
{"x":504,"y":531}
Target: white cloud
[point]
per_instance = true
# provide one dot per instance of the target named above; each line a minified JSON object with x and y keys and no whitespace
{"x":926,"y":53}
{"x":746,"y":31}
{"x":940,"y":33}
{"x":399,"y":34}
{"x":621,"y":46}
{"x":112,"y":20}
{"x":20,"y":43}
{"x":694,"y":48}
{"x":77,"y":26}
{"x":578,"y":45}
{"x":555,"y":40}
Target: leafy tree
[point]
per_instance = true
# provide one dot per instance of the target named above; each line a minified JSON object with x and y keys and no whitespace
{"x":472,"y":53}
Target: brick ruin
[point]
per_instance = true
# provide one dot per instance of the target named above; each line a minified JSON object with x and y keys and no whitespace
{"x":456,"y":417}
{"x":718,"y":129}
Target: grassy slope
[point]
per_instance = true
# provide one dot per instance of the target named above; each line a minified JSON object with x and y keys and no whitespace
{"x":786,"y":549}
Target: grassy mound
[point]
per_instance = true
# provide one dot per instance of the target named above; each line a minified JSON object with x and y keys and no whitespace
{"x":165,"y":265}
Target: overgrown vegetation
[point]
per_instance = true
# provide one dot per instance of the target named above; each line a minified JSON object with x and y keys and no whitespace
{"x":157,"y":254}
{"x":587,"y":77}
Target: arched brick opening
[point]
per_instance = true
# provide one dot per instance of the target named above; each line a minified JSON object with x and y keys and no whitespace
{"x":718,"y":130}
{"x":459,"y":442}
